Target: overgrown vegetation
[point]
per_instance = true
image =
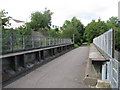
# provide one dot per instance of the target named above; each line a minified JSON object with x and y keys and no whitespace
{"x":41,"y":21}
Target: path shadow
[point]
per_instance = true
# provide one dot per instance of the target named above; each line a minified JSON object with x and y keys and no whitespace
{"x":84,"y":44}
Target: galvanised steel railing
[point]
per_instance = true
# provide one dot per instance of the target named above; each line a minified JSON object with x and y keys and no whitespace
{"x":105,"y":42}
{"x":112,"y":68}
{"x":12,"y":43}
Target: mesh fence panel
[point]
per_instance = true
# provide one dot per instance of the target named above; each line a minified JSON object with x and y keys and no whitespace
{"x":13,"y":43}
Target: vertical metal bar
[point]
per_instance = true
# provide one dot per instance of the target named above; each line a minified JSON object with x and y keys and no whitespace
{"x":119,"y":76}
{"x":59,"y":40}
{"x":103,"y":71}
{"x":39,"y":41}
{"x":22,"y":42}
{"x":32,"y":42}
{"x":44,"y":42}
{"x":113,"y":43}
{"x":49,"y":41}
{"x":52,"y":41}
{"x":11,"y":42}
{"x":73,"y":38}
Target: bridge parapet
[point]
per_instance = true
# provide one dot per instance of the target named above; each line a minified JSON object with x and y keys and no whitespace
{"x":105,"y":43}
{"x":15,"y":43}
{"x":20,"y":57}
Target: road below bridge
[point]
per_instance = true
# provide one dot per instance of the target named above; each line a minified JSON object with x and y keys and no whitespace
{"x":66,"y":71}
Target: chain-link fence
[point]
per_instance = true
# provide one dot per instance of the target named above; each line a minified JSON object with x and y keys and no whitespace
{"x":13,"y":43}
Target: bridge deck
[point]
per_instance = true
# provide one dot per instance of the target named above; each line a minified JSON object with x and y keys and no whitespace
{"x":66,"y":71}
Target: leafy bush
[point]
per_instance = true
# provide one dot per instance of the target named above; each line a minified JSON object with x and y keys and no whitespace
{"x":76,"y":45}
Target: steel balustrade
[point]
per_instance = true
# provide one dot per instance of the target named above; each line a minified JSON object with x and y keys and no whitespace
{"x":106,"y":43}
{"x":12,"y":43}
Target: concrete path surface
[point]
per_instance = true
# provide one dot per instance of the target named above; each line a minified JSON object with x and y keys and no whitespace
{"x":66,"y":71}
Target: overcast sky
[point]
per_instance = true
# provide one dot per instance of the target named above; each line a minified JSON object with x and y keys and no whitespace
{"x":85,"y":10}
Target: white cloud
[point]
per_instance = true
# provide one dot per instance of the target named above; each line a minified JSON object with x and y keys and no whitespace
{"x":86,"y":10}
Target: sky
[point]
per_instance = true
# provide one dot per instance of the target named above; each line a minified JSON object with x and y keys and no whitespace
{"x":84,"y":10}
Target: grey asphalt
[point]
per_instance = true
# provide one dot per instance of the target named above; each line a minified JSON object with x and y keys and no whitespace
{"x":66,"y":71}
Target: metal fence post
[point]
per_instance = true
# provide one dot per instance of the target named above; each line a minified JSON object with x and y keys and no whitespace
{"x":49,"y":41}
{"x":11,"y":43}
{"x":23,"y":42}
{"x":119,"y":76}
{"x":32,"y":42}
{"x":45,"y":42}
{"x":39,"y":42}
{"x":113,"y":42}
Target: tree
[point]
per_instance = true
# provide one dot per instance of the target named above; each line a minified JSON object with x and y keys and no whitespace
{"x":24,"y":29}
{"x":41,"y":20}
{"x":4,"y":18}
{"x":117,"y":39}
{"x":114,"y":24}
{"x":47,"y":14}
{"x":94,"y":29}
{"x":73,"y":27}
{"x":55,"y":33}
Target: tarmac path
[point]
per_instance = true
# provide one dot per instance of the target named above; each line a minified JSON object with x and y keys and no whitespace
{"x":66,"y":71}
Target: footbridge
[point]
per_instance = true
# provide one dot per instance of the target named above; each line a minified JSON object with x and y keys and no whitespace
{"x":45,"y":62}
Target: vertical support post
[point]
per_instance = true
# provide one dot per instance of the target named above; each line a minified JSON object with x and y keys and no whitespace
{"x":59,"y":40}
{"x":39,"y":42}
{"x":53,"y":51}
{"x":104,"y":71}
{"x":49,"y":41}
{"x":24,"y":60}
{"x":32,"y":42}
{"x":119,"y":76}
{"x":23,"y":42}
{"x":42,"y":41}
{"x":119,"y":13}
{"x":15,"y":61}
{"x":53,"y":42}
{"x":39,"y":56}
{"x":113,"y":43}
{"x":11,"y":43}
{"x":73,"y":38}
{"x":56,"y":41}
{"x":45,"y":42}
{"x":42,"y":55}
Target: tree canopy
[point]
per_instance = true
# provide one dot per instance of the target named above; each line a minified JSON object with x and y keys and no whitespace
{"x":41,"y":20}
{"x":4,"y":18}
{"x":94,"y":29}
{"x":73,"y":27}
{"x":113,"y":23}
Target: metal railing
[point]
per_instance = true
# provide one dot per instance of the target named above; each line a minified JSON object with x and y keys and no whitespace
{"x":105,"y":42}
{"x":12,"y":43}
{"x":111,"y":69}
